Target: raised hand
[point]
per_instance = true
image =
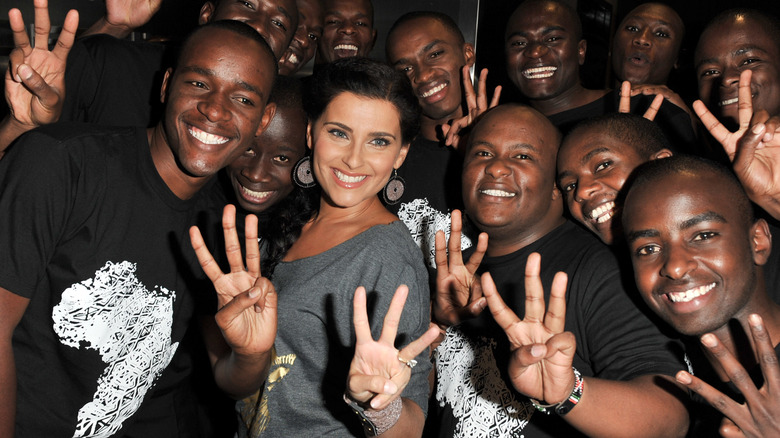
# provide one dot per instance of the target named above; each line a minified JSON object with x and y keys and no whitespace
{"x":540,"y":365}
{"x":624,"y":105}
{"x":124,"y":16}
{"x":754,"y":148}
{"x":377,"y":374}
{"x":246,"y":300}
{"x":458,"y":290}
{"x":759,"y":416}
{"x":35,"y":79}
{"x":477,"y":103}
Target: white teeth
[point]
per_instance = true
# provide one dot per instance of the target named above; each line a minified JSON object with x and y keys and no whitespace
{"x":255,"y":194}
{"x":205,"y":137}
{"x":539,"y":72}
{"x":346,"y":47}
{"x":292,"y":58}
{"x":728,"y":101}
{"x":688,"y":295}
{"x":499,"y":193}
{"x":349,"y":179}
{"x":433,"y":90}
{"x":603,"y":212}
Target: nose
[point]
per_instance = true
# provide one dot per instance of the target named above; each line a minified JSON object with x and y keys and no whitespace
{"x":730,"y":77}
{"x":213,"y":107}
{"x":354,"y":156}
{"x":586,"y":187}
{"x":347,"y":27}
{"x":302,"y":37}
{"x":535,"y":50}
{"x":642,"y":38}
{"x":422,"y":73}
{"x":257,"y":170}
{"x":497,"y":169}
{"x":677,"y":263}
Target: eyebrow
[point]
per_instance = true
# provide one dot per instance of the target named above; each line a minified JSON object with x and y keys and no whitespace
{"x":546,"y":30}
{"x":593,"y":153}
{"x":427,"y":47}
{"x":707,"y":216}
{"x":284,"y":11}
{"x":209,"y":72}
{"x":738,"y":52}
{"x":686,"y":224}
{"x":348,"y":129}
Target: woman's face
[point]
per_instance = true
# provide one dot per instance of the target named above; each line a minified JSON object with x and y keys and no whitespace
{"x":356,"y":145}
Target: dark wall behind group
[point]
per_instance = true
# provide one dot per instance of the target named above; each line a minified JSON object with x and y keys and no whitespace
{"x":481,"y":20}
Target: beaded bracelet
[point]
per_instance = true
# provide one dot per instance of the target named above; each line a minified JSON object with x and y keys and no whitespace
{"x":567,"y":404}
{"x":376,"y":422}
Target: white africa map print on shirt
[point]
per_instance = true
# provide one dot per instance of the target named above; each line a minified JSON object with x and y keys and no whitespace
{"x":423,"y":221}
{"x":130,"y":326}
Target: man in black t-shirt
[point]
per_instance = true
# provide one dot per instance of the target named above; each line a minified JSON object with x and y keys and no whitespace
{"x":510,"y":194}
{"x":97,"y":287}
{"x":430,"y":50}
{"x":698,"y":254}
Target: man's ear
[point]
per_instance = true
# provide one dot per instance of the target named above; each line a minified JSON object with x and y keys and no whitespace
{"x":268,"y":115}
{"x":468,"y":54}
{"x":166,"y":81}
{"x":663,"y":153}
{"x":556,"y":193}
{"x":401,"y":156}
{"x":582,"y":47}
{"x":206,"y":12}
{"x":308,"y":135}
{"x":761,"y":242}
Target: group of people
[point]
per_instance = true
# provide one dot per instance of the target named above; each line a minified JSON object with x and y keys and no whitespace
{"x":383,"y":247}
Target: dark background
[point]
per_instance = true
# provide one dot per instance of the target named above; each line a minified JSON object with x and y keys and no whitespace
{"x":600,"y":17}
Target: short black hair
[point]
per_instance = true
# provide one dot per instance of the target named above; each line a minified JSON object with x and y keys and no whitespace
{"x":234,"y":26}
{"x":565,"y":6}
{"x":658,"y":170}
{"x":770,"y":23}
{"x":442,"y":18}
{"x":645,"y":136}
{"x":367,"y":78}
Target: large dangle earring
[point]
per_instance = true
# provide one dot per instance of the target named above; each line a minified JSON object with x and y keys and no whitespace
{"x":394,"y":189}
{"x":302,"y":174}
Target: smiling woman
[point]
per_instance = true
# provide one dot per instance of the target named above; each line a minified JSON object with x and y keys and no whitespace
{"x":362,"y":117}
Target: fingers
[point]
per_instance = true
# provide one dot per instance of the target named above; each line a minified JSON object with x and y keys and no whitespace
{"x":206,"y":260}
{"x":715,"y":128}
{"x":393,"y":315}
{"x":746,"y":149}
{"x":420,"y":344}
{"x":252,"y":245}
{"x":555,"y":319}
{"x":440,"y":257}
{"x":772,"y":129}
{"x":482,"y":104}
{"x":46,"y":95}
{"x":468,"y":88}
{"x":731,"y":366}
{"x":655,"y":106}
{"x":625,"y":97}
{"x":262,"y":297}
{"x":534,"y":293}
{"x":67,"y":35}
{"x":478,"y":254}
{"x":503,"y":315}
{"x":362,"y":387}
{"x":360,"y":317}
{"x":496,"y":96}
{"x":729,"y":430}
{"x":453,"y":244}
{"x":232,"y":247}
{"x":42,"y":24}
{"x":745,"y":100}
{"x":767,"y":357}
{"x":21,"y":40}
{"x":717,"y":399}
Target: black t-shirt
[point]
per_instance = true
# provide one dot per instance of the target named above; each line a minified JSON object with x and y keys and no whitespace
{"x":95,"y":239}
{"x":673,"y":120}
{"x":114,"y":82}
{"x":431,"y":173}
{"x":615,"y":340}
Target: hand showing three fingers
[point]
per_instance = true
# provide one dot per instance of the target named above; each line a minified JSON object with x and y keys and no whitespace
{"x":540,"y":365}
{"x":246,"y":300}
{"x":377,"y":376}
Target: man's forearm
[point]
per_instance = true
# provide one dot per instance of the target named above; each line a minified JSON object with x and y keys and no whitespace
{"x":647,"y":406}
